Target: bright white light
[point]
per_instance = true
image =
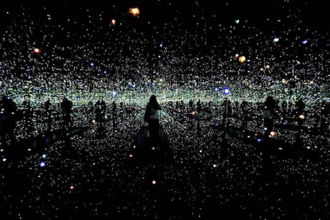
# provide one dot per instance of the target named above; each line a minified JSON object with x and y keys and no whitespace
{"x":42,"y":164}
{"x":237,"y":21}
{"x":305,"y":41}
{"x":276,"y":40}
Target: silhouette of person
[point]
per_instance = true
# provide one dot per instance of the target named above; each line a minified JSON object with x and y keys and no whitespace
{"x":66,"y":106}
{"x":268,"y":113}
{"x":300,"y":107}
{"x":8,"y":116}
{"x":153,"y":118}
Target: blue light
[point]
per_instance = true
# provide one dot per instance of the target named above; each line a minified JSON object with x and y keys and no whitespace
{"x":305,"y":41}
{"x":226,"y":91}
{"x":153,"y":84}
{"x":42,"y":164}
{"x":105,"y":72}
{"x":259,"y":140}
{"x":92,"y":64}
{"x":161,"y":45}
{"x":114,"y":93}
{"x":216,"y":89}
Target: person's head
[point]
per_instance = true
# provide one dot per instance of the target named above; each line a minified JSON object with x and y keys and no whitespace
{"x":153,"y":100}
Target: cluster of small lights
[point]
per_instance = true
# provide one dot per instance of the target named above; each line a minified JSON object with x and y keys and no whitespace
{"x":91,"y":171}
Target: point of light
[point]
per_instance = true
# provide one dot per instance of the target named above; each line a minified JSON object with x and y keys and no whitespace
{"x":36,"y":50}
{"x":4,"y":160}
{"x":305,"y":41}
{"x":276,"y":40}
{"x":237,"y":21}
{"x":134,"y":11}
{"x":242,"y":59}
{"x":42,"y":164}
{"x":226,"y":91}
{"x":154,"y":182}
{"x":43,"y":156}
{"x":273,"y":133}
{"x":259,"y":140}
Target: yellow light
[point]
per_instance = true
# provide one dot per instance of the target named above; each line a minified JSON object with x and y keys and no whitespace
{"x":113,"y":22}
{"x":154,"y":182}
{"x":302,"y":116}
{"x":242,"y":59}
{"x":261,"y":69}
{"x":134,"y":11}
{"x":131,"y":155}
{"x":283,"y":81}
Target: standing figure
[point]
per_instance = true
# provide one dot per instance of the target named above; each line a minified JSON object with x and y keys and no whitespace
{"x":153,"y":118}
{"x":268,"y":112}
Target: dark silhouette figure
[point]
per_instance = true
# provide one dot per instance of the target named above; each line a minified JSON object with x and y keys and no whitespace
{"x":300,"y":107}
{"x":8,"y":117}
{"x":66,"y":107}
{"x":152,"y":118}
{"x":268,"y":113}
{"x":100,"y":109}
